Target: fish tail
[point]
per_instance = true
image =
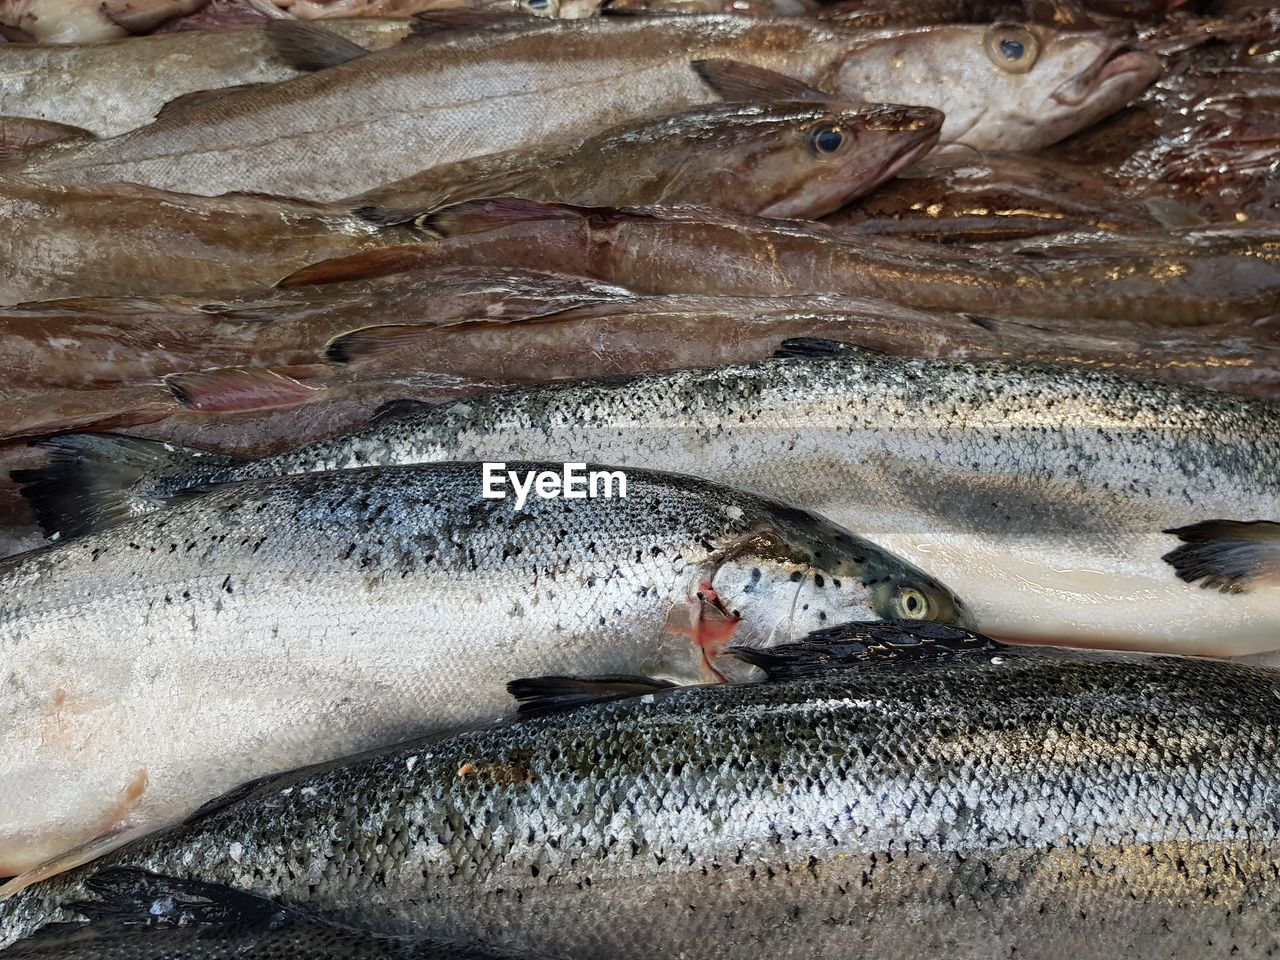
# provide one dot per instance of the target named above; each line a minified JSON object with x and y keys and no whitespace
{"x":94,"y":481}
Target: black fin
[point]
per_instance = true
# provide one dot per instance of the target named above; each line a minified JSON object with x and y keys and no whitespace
{"x":851,"y":644}
{"x":90,"y":481}
{"x":130,"y":896}
{"x":307,"y":46}
{"x":816,"y":347}
{"x":1229,"y":555}
{"x":732,"y":80}
{"x":542,"y":695}
{"x":395,"y":409}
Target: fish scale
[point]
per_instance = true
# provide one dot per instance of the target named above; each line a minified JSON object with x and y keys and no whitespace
{"x":985,"y":801}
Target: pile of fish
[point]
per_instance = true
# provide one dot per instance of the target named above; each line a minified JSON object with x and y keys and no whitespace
{"x":710,"y":479}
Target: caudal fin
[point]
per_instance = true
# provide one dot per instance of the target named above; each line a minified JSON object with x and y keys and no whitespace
{"x":93,"y":481}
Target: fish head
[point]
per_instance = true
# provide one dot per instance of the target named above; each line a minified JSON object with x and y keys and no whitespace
{"x":787,"y":159}
{"x":801,"y":573}
{"x":1002,"y":86}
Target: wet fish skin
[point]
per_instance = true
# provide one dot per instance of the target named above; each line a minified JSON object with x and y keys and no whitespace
{"x":272,"y":625}
{"x":1213,"y":275}
{"x":112,"y":87}
{"x":139,"y":916}
{"x":126,"y":240}
{"x":983,"y":473}
{"x":752,"y":158}
{"x":421,"y":106}
{"x":972,"y":800}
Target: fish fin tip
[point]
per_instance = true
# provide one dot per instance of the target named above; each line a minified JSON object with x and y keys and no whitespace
{"x":238,"y":389}
{"x":310,"y":47}
{"x":90,"y":481}
{"x":851,"y":644}
{"x":817,"y":347}
{"x":1231,"y":556}
{"x":733,"y":80}
{"x":538,"y":696}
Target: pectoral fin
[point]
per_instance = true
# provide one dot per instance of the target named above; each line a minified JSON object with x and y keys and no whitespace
{"x":733,"y":81}
{"x":817,"y":348}
{"x":230,"y":389}
{"x":852,"y":644}
{"x":309,"y":47}
{"x":538,"y":696}
{"x":1228,"y":555}
{"x":20,"y":136}
{"x":199,"y":98}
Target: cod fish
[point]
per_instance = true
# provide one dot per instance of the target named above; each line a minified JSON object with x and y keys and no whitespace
{"x":895,"y":791}
{"x":772,"y":159}
{"x":270,"y":625}
{"x":127,"y":240}
{"x":1213,"y":275}
{"x":110,"y":88}
{"x":1046,"y":490}
{"x":137,"y":915}
{"x":414,"y":106}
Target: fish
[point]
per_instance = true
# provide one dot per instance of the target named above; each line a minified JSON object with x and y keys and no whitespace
{"x":137,"y":915}
{"x":112,"y":87}
{"x":127,"y":240}
{"x":790,"y":159}
{"x":269,"y":625}
{"x":1216,"y":274}
{"x":330,"y":9}
{"x":891,"y":790}
{"x":417,"y":106}
{"x":749,"y":8}
{"x":1053,"y":493}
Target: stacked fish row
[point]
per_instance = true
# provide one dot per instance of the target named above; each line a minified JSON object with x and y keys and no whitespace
{"x":534,"y":481}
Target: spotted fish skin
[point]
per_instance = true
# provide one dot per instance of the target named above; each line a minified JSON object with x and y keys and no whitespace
{"x":975,"y":802}
{"x":1044,"y":489}
{"x":297,"y":619}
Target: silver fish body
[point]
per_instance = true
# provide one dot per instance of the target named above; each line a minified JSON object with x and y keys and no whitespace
{"x":1044,"y":489}
{"x":275,"y":624}
{"x":971,"y":801}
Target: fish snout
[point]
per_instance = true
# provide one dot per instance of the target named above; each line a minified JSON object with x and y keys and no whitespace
{"x":1118,"y":58}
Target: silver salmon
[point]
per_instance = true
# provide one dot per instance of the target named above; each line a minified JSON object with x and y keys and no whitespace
{"x":891,"y":791}
{"x":1053,"y":493}
{"x":275,"y":624}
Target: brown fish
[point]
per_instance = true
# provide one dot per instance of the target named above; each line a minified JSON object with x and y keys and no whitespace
{"x":381,"y":117}
{"x":121,"y":239}
{"x":1212,"y":275}
{"x":793,"y":159}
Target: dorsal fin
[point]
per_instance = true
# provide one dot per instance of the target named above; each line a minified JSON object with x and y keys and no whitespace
{"x":816,"y":347}
{"x":309,"y":46}
{"x":733,"y":80}
{"x":198,"y":98}
{"x":851,"y":644}
{"x":538,"y":696}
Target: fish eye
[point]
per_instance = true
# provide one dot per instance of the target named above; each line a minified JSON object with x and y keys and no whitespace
{"x":826,"y":139}
{"x":912,"y":604}
{"x":1011,"y":47}
{"x":539,"y":6}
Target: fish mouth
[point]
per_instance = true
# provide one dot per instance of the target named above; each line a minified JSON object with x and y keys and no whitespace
{"x":1117,"y":60}
{"x":910,"y":155}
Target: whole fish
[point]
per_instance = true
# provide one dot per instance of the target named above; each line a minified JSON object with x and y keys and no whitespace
{"x":127,"y":240}
{"x":891,"y":791}
{"x":1212,"y":275}
{"x":271,"y":625}
{"x":415,"y":106}
{"x":1047,"y":490}
{"x":776,"y":160}
{"x":137,"y":915}
{"x":112,"y":87}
